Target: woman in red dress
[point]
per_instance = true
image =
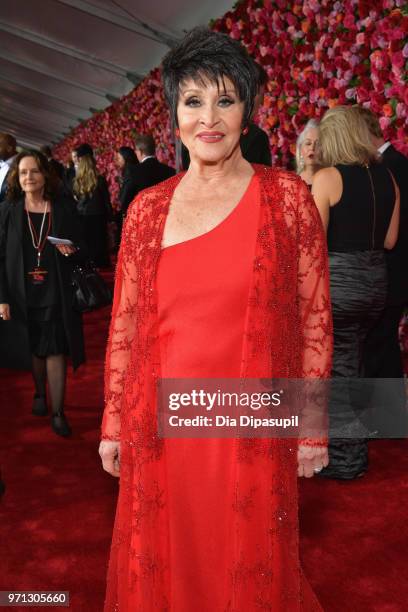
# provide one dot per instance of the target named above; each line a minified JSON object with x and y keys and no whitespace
{"x":222,"y":272}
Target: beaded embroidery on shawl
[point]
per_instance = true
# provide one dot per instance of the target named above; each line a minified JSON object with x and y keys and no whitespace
{"x":288,"y":334}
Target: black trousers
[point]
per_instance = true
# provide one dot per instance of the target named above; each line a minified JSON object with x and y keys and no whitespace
{"x":382,"y":359}
{"x":358,"y":285}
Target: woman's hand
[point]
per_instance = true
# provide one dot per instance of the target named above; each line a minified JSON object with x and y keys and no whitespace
{"x":110,"y":455}
{"x":65,"y":249}
{"x":312,"y":459}
{"x":5,"y":312}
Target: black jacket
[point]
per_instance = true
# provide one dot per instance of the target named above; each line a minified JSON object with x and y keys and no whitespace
{"x":65,"y":224}
{"x":130,"y":185}
{"x":397,"y":259}
{"x":3,"y":190}
{"x":255,"y":146}
{"x":146,"y":174}
{"x":98,"y":203}
{"x":57,"y":168}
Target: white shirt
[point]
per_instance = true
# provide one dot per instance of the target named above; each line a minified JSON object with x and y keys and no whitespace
{"x":384,"y":147}
{"x":4,"y":169}
{"x":147,"y":157}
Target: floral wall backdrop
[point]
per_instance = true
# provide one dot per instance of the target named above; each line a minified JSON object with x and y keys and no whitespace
{"x":317,"y":54}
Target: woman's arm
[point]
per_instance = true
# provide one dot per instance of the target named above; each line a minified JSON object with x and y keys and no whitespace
{"x":326,"y":190}
{"x":122,"y":329}
{"x":315,"y":327}
{"x":393,"y":228}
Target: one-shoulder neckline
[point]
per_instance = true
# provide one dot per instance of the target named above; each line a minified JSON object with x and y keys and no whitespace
{"x":219,"y":225}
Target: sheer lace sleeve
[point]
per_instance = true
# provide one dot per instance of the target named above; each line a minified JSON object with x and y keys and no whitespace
{"x":315,"y":318}
{"x":313,"y":289}
{"x":122,"y":327}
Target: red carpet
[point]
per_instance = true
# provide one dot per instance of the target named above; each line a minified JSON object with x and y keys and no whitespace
{"x":56,"y":516}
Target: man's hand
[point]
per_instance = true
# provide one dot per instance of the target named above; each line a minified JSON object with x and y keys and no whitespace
{"x":110,"y":455}
{"x":312,"y":459}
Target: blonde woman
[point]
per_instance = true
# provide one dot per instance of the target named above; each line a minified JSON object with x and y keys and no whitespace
{"x":93,"y":204}
{"x":358,"y":202}
{"x":307,"y":152}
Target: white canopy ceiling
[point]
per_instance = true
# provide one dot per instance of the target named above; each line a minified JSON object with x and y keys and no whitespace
{"x":60,"y":60}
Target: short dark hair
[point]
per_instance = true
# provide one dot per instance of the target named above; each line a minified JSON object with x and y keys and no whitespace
{"x":9,"y":140}
{"x":46,"y":150}
{"x":145,"y":144}
{"x":128,"y":155}
{"x":14,"y":190}
{"x":207,"y":55}
{"x":84,"y":149}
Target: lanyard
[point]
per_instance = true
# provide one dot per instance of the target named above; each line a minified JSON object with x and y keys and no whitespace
{"x":39,"y":241}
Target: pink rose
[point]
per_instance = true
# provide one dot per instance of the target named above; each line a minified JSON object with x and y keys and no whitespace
{"x":401,"y":110}
{"x":385,"y":122}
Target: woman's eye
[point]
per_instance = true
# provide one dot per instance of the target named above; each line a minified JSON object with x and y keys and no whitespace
{"x":225,"y":101}
{"x":192,"y":102}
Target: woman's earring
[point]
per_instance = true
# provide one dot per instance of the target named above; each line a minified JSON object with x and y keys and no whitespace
{"x":245,"y":131}
{"x":177,"y":133}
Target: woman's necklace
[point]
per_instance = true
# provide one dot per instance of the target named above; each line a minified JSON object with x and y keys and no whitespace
{"x":39,"y":242}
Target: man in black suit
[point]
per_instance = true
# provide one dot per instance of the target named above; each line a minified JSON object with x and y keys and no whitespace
{"x":56,"y":167}
{"x":7,"y":155}
{"x":150,"y":171}
{"x":382,"y":357}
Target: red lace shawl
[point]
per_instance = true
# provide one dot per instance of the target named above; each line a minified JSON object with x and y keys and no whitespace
{"x":288,"y":334}
{"x":289,"y":328}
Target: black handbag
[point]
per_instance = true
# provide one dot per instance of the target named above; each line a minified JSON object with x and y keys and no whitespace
{"x":90,"y":290}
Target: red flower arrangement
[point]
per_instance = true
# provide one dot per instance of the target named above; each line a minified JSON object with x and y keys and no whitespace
{"x":321,"y":54}
{"x":317,"y":54}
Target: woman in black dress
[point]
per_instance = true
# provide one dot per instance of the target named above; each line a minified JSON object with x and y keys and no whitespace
{"x":127,"y":162}
{"x":94,"y":208}
{"x":36,"y":293}
{"x":358,"y":201}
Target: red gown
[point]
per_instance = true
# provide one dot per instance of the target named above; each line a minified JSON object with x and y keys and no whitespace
{"x":206,"y":525}
{"x":213,"y":269}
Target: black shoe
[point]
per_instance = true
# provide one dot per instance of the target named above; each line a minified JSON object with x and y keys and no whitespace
{"x":39,"y":405}
{"x":60,"y":425}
